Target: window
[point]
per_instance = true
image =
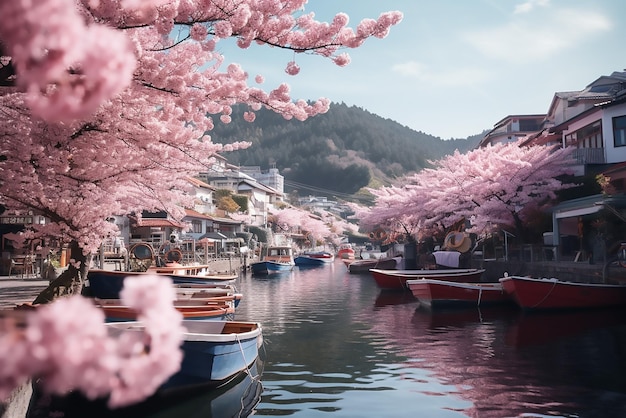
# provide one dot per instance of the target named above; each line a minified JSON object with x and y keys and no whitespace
{"x":619,"y":131}
{"x":590,"y":136}
{"x":196,"y":226}
{"x":529,"y":125}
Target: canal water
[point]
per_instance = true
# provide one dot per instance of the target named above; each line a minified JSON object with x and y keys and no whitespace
{"x":337,"y":346}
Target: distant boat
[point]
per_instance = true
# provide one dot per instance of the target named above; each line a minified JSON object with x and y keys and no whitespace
{"x":346,"y":252}
{"x":534,"y":293}
{"x":278,"y":258}
{"x":433,"y":293}
{"x":396,"y":279}
{"x":314,"y":259}
{"x":214,"y":352}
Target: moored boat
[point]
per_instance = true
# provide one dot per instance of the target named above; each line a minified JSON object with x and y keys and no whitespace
{"x":396,"y":279}
{"x":115,"y":311}
{"x":434,"y":293}
{"x":550,"y":293}
{"x":314,"y":259}
{"x":278,"y":258}
{"x":214,"y":352}
{"x":106,"y":284}
{"x":179,"y":269}
{"x":364,"y":266}
{"x":209,"y":294}
{"x":346,"y":252}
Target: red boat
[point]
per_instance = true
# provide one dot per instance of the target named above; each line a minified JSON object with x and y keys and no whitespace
{"x":433,"y":293}
{"x":396,"y":279}
{"x":533,"y":293}
{"x":346,"y":252}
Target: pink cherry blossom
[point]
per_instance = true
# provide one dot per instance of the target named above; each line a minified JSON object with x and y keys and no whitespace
{"x":491,"y":186}
{"x":320,"y":227}
{"x":67,"y":344}
{"x":292,"y":68}
{"x":110,"y":112}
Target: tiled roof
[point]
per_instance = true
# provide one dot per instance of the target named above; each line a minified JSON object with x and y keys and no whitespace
{"x":159,"y":222}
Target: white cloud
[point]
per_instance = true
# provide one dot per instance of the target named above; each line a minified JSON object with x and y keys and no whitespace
{"x":528,"y":6}
{"x":538,"y":37}
{"x":458,"y":76}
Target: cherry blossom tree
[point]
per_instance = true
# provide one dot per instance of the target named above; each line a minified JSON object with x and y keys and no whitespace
{"x":320,"y":227}
{"x":494,"y":186}
{"x":126,"y":369}
{"x":107,"y":105}
{"x":77,"y":147}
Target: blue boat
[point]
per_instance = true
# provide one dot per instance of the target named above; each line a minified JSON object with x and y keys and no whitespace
{"x":278,"y":258}
{"x":314,"y":259}
{"x":214,"y":352}
{"x":238,"y":398}
{"x":106,"y":284}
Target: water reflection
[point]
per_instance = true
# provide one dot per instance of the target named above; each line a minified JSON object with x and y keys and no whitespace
{"x":546,"y":327}
{"x":390,"y":297}
{"x":336,"y":343}
{"x":238,"y":398}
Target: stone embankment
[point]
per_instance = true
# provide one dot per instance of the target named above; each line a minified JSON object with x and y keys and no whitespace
{"x":562,"y":270}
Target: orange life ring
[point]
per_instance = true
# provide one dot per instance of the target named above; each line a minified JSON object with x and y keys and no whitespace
{"x":380,"y":234}
{"x":173,"y":256}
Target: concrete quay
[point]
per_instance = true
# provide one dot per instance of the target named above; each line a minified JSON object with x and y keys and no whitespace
{"x":17,"y":289}
{"x":582,"y":272}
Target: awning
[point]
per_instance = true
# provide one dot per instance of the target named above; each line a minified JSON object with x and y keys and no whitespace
{"x":214,"y":235}
{"x":578,"y":212}
{"x":159,"y":222}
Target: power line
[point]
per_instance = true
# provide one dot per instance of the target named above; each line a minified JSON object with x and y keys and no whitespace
{"x":345,"y":196}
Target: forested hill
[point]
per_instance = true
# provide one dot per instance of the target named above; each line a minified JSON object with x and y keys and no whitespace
{"x":340,"y":152}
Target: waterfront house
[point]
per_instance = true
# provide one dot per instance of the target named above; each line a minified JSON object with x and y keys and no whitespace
{"x":592,"y":121}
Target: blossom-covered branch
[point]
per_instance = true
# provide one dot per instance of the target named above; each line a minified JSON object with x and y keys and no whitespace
{"x":67,"y":345}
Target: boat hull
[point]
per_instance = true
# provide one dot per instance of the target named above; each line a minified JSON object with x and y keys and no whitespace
{"x":326,"y":257}
{"x":304,"y":261}
{"x":107,"y":284}
{"x":217,"y":308}
{"x":396,"y":279}
{"x":364,"y":266}
{"x":433,"y":293}
{"x":124,"y":313}
{"x":535,"y":294}
{"x":214,"y":352}
{"x":268,"y":267}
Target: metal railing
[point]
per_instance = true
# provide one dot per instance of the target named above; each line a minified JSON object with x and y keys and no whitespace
{"x":589,"y":155}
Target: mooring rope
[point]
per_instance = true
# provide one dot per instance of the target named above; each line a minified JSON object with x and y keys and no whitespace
{"x":254,"y":378}
{"x":547,"y":294}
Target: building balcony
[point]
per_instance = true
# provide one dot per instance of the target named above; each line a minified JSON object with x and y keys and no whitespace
{"x":589,"y":156}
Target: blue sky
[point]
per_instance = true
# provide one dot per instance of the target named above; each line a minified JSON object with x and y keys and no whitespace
{"x":453,"y":68}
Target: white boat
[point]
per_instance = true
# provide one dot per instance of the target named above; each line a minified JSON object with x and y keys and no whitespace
{"x":214,"y":352}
